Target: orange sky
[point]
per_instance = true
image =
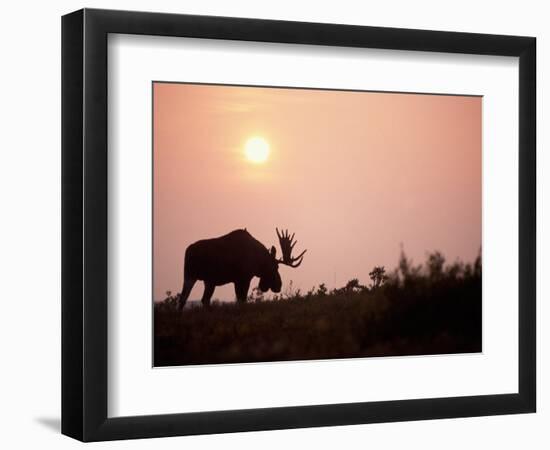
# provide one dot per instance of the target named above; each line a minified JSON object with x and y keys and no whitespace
{"x":354,"y":174}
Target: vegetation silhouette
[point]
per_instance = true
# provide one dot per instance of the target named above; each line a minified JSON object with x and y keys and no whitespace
{"x":236,"y":258}
{"x":434,"y":308}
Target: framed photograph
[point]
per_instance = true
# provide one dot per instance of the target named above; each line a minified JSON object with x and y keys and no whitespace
{"x":272,"y":224}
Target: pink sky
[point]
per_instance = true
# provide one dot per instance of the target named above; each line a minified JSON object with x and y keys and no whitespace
{"x":354,"y":174}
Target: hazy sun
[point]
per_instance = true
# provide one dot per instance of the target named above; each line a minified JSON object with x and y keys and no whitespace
{"x":256,"y":150}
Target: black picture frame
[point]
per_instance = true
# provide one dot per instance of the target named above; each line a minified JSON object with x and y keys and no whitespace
{"x":84,"y":224}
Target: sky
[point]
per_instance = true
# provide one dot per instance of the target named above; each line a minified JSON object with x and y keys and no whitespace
{"x":354,"y":174}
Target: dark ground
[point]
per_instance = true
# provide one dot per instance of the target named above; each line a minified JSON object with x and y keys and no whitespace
{"x":430,"y":309}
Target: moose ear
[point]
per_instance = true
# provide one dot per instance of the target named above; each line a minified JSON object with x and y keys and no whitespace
{"x":273,"y":251}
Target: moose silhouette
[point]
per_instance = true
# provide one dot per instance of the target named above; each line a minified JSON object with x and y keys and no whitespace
{"x":236,"y":257}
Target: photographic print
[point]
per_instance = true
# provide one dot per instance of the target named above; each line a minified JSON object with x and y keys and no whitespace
{"x":309,"y":224}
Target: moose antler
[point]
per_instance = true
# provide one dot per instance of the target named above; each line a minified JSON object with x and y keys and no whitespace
{"x":285,"y":241}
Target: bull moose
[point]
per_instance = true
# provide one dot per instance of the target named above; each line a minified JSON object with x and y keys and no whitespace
{"x":236,"y":257}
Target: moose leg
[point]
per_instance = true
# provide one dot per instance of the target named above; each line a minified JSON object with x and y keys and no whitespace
{"x":186,"y":290}
{"x":208,"y":291}
{"x":241,"y":290}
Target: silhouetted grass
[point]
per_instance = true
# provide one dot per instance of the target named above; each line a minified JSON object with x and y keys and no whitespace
{"x":429,"y":309}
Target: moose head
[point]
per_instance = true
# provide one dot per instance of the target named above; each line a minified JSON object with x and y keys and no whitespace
{"x":271,"y":279}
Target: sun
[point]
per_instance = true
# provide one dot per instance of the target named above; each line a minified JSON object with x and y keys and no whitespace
{"x":256,"y":150}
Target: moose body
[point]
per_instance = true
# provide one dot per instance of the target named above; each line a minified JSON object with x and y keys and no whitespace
{"x":236,"y":258}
